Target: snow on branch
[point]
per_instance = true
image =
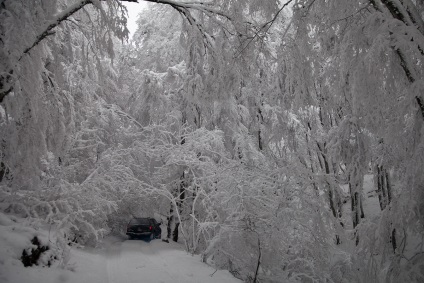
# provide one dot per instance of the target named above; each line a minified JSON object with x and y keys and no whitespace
{"x":207,"y":7}
{"x":60,"y":18}
{"x":264,"y":28}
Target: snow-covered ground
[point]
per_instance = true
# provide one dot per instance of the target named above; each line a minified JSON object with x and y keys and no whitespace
{"x":370,"y":203}
{"x":117,"y":260}
{"x":371,"y":208}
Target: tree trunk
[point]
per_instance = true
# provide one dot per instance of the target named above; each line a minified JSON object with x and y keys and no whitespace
{"x":355,"y":189}
{"x":169,"y":219}
{"x":175,"y":232}
{"x":384,"y":190}
{"x":255,"y":279}
{"x":393,"y":240}
{"x":260,"y":119}
{"x":389,"y":188}
{"x":330,"y":197}
{"x":181,"y":190}
{"x":383,"y":187}
{"x":3,"y":171}
{"x":354,"y":208}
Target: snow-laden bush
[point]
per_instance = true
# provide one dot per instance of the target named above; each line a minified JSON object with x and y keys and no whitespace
{"x":270,"y":228}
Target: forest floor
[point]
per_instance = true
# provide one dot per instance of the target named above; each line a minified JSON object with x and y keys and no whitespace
{"x":116,"y":260}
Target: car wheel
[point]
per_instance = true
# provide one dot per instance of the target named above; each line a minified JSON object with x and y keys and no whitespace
{"x":131,"y":237}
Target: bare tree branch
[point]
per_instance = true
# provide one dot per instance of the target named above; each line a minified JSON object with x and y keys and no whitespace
{"x":265,"y":27}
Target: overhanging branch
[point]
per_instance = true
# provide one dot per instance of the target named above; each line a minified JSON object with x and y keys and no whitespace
{"x":406,"y":13}
{"x":61,"y":17}
{"x":6,"y":82}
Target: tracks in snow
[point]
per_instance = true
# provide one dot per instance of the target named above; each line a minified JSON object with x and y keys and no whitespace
{"x":138,"y":261}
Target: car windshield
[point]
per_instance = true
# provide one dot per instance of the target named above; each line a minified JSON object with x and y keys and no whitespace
{"x":140,"y":221}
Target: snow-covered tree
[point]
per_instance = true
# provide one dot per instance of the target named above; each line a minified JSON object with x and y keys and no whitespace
{"x":250,"y":127}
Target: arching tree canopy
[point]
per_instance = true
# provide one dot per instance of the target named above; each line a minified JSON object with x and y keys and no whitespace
{"x":281,"y":140}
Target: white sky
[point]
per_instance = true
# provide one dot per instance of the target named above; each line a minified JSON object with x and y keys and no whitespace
{"x":133,"y":10}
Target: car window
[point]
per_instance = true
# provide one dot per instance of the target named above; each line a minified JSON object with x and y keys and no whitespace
{"x":139,"y":221}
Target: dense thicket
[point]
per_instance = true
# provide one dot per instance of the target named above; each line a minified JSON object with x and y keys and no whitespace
{"x":238,"y":123}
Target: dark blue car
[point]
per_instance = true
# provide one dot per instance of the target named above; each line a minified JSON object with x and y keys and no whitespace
{"x":144,"y":227}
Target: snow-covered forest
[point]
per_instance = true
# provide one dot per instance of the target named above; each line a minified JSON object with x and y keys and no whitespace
{"x":281,"y":140}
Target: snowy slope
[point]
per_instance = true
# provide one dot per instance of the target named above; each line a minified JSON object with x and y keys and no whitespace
{"x":118,"y":260}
